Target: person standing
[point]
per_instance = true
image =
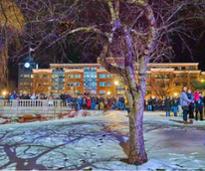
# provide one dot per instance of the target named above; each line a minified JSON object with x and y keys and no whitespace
{"x":167,"y":104}
{"x":149,"y":102}
{"x":199,"y":107}
{"x":93,"y":103}
{"x":196,"y":99}
{"x":88,"y":102}
{"x":184,"y":102}
{"x":175,"y":106}
{"x":191,"y":105}
{"x":78,"y":103}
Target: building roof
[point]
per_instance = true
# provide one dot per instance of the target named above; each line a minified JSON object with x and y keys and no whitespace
{"x":73,"y":70}
{"x":75,"y":64}
{"x":162,"y":69}
{"x":96,"y":64}
{"x":173,"y":64}
{"x":42,"y":70}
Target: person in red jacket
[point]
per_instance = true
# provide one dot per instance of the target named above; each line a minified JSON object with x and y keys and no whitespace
{"x":88,"y":102}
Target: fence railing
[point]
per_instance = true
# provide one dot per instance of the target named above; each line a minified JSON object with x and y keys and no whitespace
{"x":22,"y":106}
{"x":33,"y":103}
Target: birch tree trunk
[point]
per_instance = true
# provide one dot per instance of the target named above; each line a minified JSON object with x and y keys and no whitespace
{"x":137,"y":91}
{"x":137,"y":153}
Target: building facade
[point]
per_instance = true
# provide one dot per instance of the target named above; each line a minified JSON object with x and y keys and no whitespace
{"x":25,"y":72}
{"x":163,"y":79}
{"x":167,"y":79}
{"x":74,"y":79}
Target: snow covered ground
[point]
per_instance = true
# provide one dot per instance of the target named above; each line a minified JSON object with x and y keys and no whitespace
{"x":93,"y":142}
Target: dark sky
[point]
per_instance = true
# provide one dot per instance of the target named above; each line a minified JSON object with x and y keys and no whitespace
{"x":197,"y":54}
{"x":181,"y":55}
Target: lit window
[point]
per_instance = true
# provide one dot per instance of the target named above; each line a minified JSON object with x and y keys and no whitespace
{"x":102,"y":84}
{"x":101,"y":92}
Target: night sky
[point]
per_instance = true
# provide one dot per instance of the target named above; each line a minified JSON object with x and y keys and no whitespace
{"x":181,"y":55}
{"x":75,"y":53}
{"x":198,"y":52}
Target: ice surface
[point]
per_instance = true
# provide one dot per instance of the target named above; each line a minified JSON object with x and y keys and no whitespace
{"x":93,"y":142}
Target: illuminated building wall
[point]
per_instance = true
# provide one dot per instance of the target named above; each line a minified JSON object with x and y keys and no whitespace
{"x":164,"y":79}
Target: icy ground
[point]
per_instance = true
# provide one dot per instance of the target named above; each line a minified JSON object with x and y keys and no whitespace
{"x":93,"y":142}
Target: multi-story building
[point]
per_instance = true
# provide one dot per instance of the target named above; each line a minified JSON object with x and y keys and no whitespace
{"x":25,"y":69}
{"x":167,"y":79}
{"x":164,"y":79}
{"x":76,"y":79}
{"x":41,"y":81}
{"x":202,"y":77}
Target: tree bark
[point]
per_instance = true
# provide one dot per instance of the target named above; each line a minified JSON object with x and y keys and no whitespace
{"x":137,"y":153}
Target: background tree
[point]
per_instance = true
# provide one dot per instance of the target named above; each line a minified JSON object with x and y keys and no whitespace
{"x":162,"y":83}
{"x":11,"y":25}
{"x":198,"y":85}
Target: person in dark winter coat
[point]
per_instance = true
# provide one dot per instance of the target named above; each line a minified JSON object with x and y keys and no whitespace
{"x":93,"y":103}
{"x":167,"y":104}
{"x":191,"y":105}
{"x":175,"y":104}
{"x":199,"y":105}
{"x":149,"y":108}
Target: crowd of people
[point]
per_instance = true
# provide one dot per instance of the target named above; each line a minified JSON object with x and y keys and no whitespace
{"x":14,"y":96}
{"x":79,"y":102}
{"x":192,"y":104}
{"x":96,"y":103}
{"x":167,"y":104}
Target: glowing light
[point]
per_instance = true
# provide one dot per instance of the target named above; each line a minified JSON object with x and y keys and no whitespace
{"x":202,"y":80}
{"x":27,"y":65}
{"x":108,"y":93}
{"x":116,"y":82}
{"x":176,"y":94}
{"x":4,"y":93}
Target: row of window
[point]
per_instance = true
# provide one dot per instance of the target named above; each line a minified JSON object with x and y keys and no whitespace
{"x":102,"y":92}
{"x":77,"y":67}
{"x":104,"y":75}
{"x":71,"y":84}
{"x":86,"y":75}
{"x":74,"y":84}
{"x":25,"y":76}
{"x":105,"y":84}
{"x":74,"y":76}
{"x":177,"y":68}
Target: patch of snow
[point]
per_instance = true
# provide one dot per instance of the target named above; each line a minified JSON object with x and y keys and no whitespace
{"x":82,"y":140}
